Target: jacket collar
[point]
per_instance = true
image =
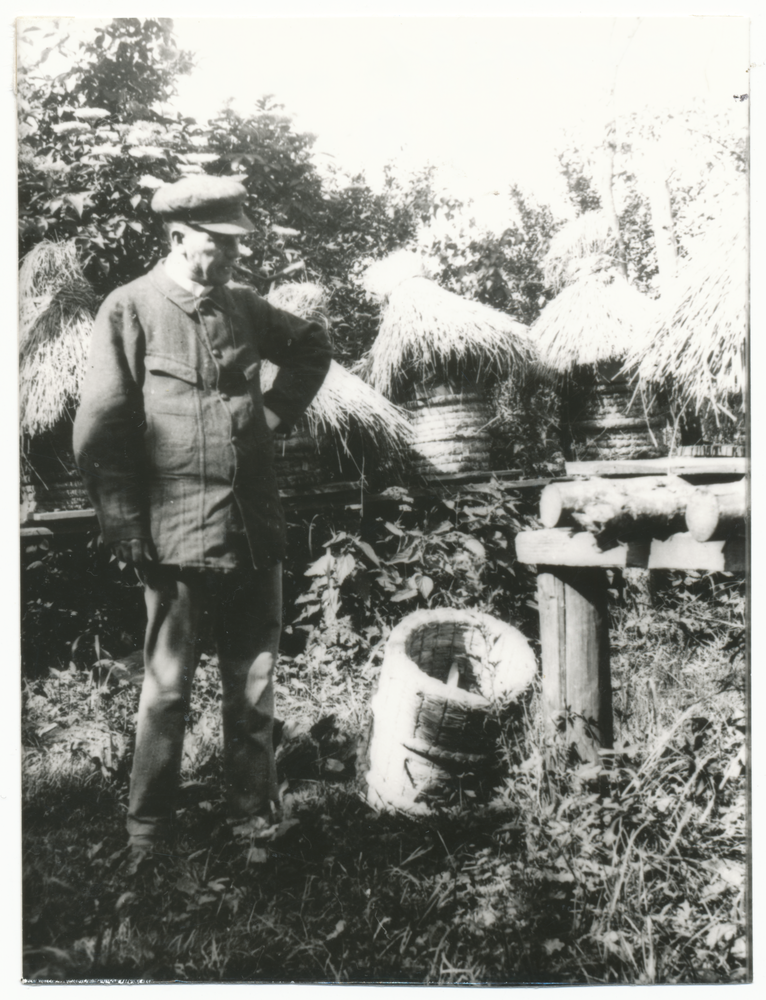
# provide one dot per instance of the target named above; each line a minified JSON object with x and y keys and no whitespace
{"x":182,"y":297}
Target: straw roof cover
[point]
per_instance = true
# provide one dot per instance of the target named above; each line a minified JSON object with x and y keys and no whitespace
{"x":423,"y":326}
{"x":344,"y":401}
{"x":56,"y":310}
{"x":698,"y":339}
{"x":576,"y":246}
{"x":598,"y":317}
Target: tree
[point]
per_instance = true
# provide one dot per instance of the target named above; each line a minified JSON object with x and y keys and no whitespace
{"x":88,"y":136}
{"x":673,"y":173}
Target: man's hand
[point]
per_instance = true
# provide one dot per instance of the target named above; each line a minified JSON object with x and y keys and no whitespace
{"x":272,"y":420}
{"x":138,"y":552}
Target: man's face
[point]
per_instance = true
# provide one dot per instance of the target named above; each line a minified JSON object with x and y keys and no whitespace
{"x":208,"y":256}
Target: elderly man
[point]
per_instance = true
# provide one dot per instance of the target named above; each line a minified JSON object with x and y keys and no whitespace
{"x":175,"y":443}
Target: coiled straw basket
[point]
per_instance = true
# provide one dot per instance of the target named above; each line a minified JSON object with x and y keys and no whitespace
{"x":606,"y":418}
{"x":449,"y":433}
{"x":449,"y":681}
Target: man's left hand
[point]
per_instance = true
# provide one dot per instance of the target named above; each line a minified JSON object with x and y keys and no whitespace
{"x":272,"y":420}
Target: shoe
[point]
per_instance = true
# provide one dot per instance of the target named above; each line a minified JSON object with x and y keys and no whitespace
{"x":261,"y":828}
{"x":145,"y":854}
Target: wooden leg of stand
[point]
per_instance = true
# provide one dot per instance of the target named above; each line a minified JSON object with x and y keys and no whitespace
{"x":574,"y":637}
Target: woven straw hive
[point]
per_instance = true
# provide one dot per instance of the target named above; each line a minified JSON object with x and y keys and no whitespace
{"x":435,"y":353}
{"x":449,"y":681}
{"x":583,"y":335}
{"x":449,"y":431}
{"x":608,"y":417}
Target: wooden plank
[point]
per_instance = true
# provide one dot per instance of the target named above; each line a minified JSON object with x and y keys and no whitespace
{"x":56,"y":516}
{"x":680,"y":465}
{"x":574,"y":639}
{"x":567,"y":547}
{"x":552,"y":611}
{"x":475,"y":476}
{"x":682,"y":551}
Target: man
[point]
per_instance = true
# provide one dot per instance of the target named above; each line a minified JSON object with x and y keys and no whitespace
{"x":175,"y":444}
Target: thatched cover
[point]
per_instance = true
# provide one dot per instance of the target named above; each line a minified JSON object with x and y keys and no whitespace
{"x":576,"y":246}
{"x":344,"y":401}
{"x":424,"y":328}
{"x":598,"y":317}
{"x":56,"y":310}
{"x":698,"y":338}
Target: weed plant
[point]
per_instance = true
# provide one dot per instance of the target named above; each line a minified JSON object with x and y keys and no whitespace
{"x":630,"y":870}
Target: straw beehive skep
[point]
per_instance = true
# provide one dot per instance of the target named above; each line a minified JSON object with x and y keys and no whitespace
{"x":699,"y":339}
{"x":344,"y":401}
{"x":424,"y":326}
{"x":598,"y":317}
{"x":56,"y":310}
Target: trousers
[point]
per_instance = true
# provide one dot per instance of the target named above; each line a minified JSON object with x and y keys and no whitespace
{"x":245,"y":612}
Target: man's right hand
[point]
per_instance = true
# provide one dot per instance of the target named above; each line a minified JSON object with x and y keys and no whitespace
{"x":138,"y":552}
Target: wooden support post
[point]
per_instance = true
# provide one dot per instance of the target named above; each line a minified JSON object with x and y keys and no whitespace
{"x":574,"y":636}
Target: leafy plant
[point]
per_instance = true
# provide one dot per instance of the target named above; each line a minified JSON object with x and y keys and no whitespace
{"x":458,"y":553}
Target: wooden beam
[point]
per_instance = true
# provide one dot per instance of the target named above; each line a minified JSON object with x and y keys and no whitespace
{"x":567,"y":547}
{"x":680,"y":465}
{"x":684,"y":552}
{"x":574,"y":640}
{"x":330,"y":494}
{"x":618,"y":508}
{"x":718,"y":511}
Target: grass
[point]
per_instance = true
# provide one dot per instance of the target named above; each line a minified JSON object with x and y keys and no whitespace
{"x":633,"y":871}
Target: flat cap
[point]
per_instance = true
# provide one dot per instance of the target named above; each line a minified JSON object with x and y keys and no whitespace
{"x":212,"y":203}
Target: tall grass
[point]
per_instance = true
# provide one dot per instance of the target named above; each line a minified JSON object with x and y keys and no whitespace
{"x":631,"y":871}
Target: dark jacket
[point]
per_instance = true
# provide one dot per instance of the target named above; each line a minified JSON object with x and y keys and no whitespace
{"x":170,"y":435}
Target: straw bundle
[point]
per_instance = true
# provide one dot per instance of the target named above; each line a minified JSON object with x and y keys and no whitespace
{"x":382,"y":277}
{"x":425,"y":330}
{"x":344,"y":401}
{"x":304,"y":299}
{"x":56,"y":310}
{"x":698,"y":340}
{"x":599,"y":317}
{"x":449,"y":681}
{"x":587,"y":239}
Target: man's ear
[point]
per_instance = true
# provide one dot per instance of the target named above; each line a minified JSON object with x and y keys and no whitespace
{"x":176,"y":236}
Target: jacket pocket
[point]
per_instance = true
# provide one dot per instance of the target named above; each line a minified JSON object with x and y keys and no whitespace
{"x":165,"y":365}
{"x":171,"y":403}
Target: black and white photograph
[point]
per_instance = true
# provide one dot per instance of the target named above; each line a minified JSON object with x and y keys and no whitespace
{"x":384,"y":447}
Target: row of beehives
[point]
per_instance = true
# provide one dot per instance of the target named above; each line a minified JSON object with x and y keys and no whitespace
{"x":418,"y":401}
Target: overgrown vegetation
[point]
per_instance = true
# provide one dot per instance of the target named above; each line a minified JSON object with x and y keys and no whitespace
{"x":630,"y":871}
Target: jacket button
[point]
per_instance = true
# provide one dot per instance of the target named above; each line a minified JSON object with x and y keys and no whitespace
{"x":225,"y":397}
{"x":217,"y":354}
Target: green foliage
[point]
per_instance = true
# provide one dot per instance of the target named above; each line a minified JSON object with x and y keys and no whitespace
{"x":503,"y":269}
{"x":87,"y":138}
{"x":704,"y":158}
{"x":632,"y":870}
{"x":101,"y":616}
{"x":458,"y":552}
